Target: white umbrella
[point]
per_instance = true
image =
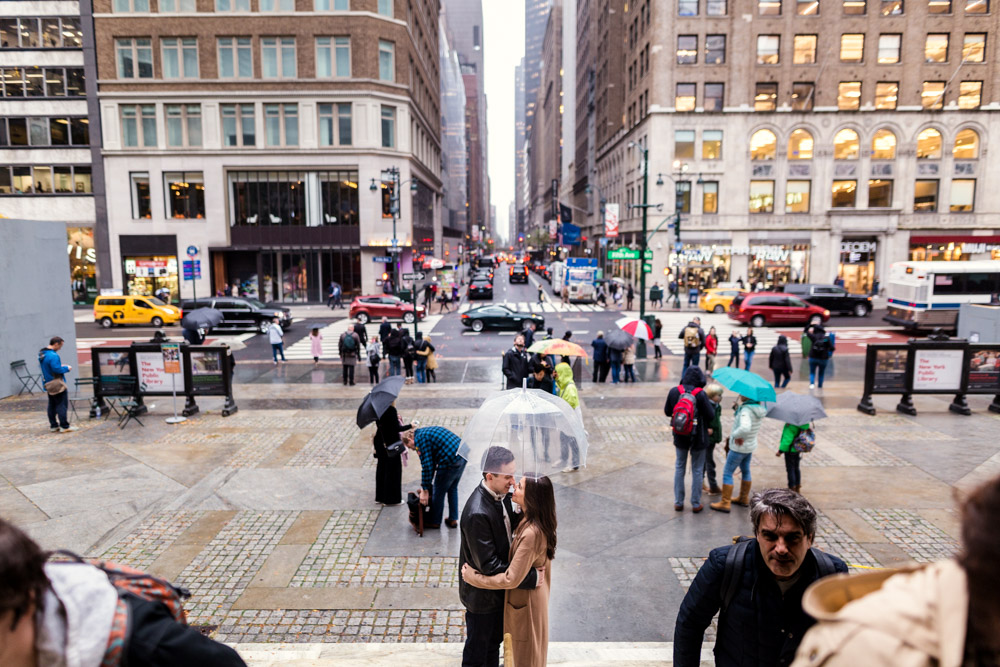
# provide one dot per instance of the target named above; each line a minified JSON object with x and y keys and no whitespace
{"x":635,"y":327}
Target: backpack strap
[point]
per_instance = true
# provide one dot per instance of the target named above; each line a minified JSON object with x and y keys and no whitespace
{"x":696,"y":391}
{"x":733,"y":573}
{"x":824,"y":564}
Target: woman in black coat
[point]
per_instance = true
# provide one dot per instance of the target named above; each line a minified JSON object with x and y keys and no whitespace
{"x":781,"y":363}
{"x":409,"y":355}
{"x":389,"y":469}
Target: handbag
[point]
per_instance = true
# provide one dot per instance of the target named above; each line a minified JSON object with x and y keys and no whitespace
{"x":55,"y":386}
{"x":396,"y":448}
{"x":804,"y":441}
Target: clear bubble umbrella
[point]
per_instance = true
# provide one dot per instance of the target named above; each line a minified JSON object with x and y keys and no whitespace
{"x":542,"y":432}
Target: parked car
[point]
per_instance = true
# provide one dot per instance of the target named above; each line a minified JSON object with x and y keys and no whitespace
{"x":499,"y":317}
{"x":242,"y":312}
{"x":481,"y":288}
{"x":367,"y":308}
{"x":112,"y":310}
{"x":833,"y":298}
{"x":518,"y":273}
{"x":716,"y":300}
{"x":762,"y":308}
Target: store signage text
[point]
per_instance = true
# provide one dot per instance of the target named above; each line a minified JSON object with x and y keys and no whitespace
{"x":76,"y":251}
{"x":858,"y":251}
{"x":976,"y":248}
{"x":770,"y":253}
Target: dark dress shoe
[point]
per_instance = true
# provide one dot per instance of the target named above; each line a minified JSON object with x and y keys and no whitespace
{"x":696,"y":508}
{"x":451,"y":523}
{"x":678,"y":507}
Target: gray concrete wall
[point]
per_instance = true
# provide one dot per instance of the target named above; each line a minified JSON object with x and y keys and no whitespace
{"x":35,"y":302}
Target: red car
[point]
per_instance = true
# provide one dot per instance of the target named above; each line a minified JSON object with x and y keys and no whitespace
{"x":761,"y":308}
{"x":367,"y":308}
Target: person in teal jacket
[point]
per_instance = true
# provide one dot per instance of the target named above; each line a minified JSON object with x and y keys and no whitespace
{"x":792,"y":458}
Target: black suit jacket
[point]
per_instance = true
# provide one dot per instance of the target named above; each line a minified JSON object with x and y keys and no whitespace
{"x":485,"y":547}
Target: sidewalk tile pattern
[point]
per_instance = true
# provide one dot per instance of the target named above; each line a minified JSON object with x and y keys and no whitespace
{"x":342,"y":626}
{"x":327,"y":448}
{"x":145,"y":544}
{"x":831,"y":538}
{"x":918,"y":538}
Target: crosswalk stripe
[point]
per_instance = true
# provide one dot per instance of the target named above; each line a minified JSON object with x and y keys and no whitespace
{"x":548,"y":308}
{"x":302,"y":349}
{"x":464,"y":307}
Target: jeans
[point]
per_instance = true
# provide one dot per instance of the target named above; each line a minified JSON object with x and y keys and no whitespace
{"x":421,"y":369}
{"x":58,"y":405}
{"x":692,"y":357}
{"x":629,"y":372}
{"x":276,"y":349}
{"x":697,"y":471}
{"x":373,"y":374}
{"x":734,"y":359}
{"x":446,"y":486}
{"x":394,"y":368}
{"x":713,"y":481}
{"x":747,"y":359}
{"x":733,"y":461}
{"x":569,"y":450}
{"x":616,"y":370}
{"x":792,"y":461}
{"x":777,"y":379}
{"x":484,"y":634}
{"x":348,"y":374}
{"x":814,"y":365}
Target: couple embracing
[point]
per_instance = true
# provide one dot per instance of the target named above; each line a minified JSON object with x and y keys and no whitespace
{"x":508,"y":542}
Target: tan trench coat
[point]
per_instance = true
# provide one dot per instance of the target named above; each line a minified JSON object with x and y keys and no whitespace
{"x":525,"y":613}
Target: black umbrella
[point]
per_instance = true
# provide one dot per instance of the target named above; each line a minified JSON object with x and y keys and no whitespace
{"x":618,"y":339}
{"x":379,"y":399}
{"x":202,"y":318}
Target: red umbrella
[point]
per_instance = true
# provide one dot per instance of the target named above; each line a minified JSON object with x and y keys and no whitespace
{"x":635,"y":327}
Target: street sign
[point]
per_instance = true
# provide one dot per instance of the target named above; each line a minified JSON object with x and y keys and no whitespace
{"x":395,"y":250}
{"x":192,"y":250}
{"x":192,"y":269}
{"x":678,"y":247}
{"x":647,"y":267}
{"x":623,"y":253}
{"x":382,"y":259}
{"x":648,"y":254}
{"x":414,"y":276}
{"x":395,"y":241}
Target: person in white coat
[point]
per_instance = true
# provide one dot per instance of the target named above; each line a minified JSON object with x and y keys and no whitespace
{"x":740,"y":449}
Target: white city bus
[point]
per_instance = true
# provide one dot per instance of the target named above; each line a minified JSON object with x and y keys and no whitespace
{"x":926,"y":295}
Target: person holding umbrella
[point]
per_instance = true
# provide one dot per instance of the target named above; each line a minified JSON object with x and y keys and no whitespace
{"x":798,"y":412}
{"x":742,"y":444}
{"x":618,"y":340}
{"x":379,"y":407}
{"x":793,"y":458}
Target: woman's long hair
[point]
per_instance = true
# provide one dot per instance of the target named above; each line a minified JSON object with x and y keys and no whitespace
{"x":979,"y":556}
{"x":540,"y":501}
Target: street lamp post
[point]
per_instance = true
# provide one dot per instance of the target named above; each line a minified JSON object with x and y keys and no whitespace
{"x":393,"y":177}
{"x":643,"y":241}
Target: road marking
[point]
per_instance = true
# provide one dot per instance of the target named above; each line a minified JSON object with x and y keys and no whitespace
{"x":471,"y":333}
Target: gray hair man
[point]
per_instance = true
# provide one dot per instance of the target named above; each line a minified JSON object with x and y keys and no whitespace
{"x":757,"y":585}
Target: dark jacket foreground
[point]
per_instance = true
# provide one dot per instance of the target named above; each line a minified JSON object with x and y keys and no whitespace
{"x":515,"y":368}
{"x":693,"y":378}
{"x":780,"y":360}
{"x":761,"y":628}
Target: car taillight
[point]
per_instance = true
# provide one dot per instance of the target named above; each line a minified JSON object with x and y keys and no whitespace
{"x":490,"y":285}
{"x":465,"y":316}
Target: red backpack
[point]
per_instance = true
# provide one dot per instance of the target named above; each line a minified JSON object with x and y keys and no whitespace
{"x":685,"y":414}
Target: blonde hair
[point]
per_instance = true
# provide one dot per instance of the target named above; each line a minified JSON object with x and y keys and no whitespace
{"x":714,"y":390}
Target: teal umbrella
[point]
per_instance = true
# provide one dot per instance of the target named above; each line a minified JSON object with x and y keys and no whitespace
{"x":745,"y":383}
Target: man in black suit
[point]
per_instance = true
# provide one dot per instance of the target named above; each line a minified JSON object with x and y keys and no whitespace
{"x":488,"y":523}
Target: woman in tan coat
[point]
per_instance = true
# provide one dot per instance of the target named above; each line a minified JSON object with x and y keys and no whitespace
{"x":526,"y":613}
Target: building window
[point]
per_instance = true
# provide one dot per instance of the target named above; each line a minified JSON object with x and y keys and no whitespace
{"x":335,"y":5}
{"x":846,"y":145}
{"x":797,"y":196}
{"x":892,"y":8}
{"x":171,"y":6}
{"x":929,"y":144}
{"x":969,"y":94}
{"x":335,"y":124}
{"x":716,"y":7}
{"x":711,"y":145}
{"x":714,"y":93}
{"x":803,"y":95}
{"x":879,"y":193}
{"x":804,"y":50}
{"x":715,"y":49}
{"x":936,"y":48}
{"x":684,"y":99}
{"x":131,"y":6}
{"x":135,"y":58}
{"x":974,"y":47}
{"x":768,"y":47}
{"x":277,"y":5}
{"x":963,"y":195}
{"x":138,"y":125}
{"x":844,"y":193}
{"x":388,"y":127}
{"x":884,"y":145}
{"x":807,"y":7}
{"x":886,"y":93}
{"x":939,"y":7}
{"x":180,"y":57}
{"x":281,"y":124}
{"x":54,"y":33}
{"x":232,"y":5}
{"x":682,"y":197}
{"x":888,"y":49}
{"x":386,"y":61}
{"x":855,"y":7}
{"x":333,"y":57}
{"x":763,"y":145}
{"x":183,"y":125}
{"x":385,"y":8}
{"x":269,"y":198}
{"x":765,"y":97}
{"x":141,"y":209}
{"x":277,"y":57}
{"x":683,"y":144}
{"x":185,"y":195}
{"x":761,"y":196}
{"x":966,"y":145}
{"x":932,"y":95}
{"x":687,"y":49}
{"x":769,"y":7}
{"x":44,"y":132}
{"x":45,"y":180}
{"x":925,"y":194}
{"x":849,"y":95}
{"x":977,"y":6}
{"x":235,"y":58}
{"x":710,"y":197}
{"x":852,"y":48}
{"x":800,"y":145}
{"x":687,"y":7}
{"x":239,"y":125}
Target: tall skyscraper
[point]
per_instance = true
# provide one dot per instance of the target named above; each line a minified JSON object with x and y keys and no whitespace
{"x":520,"y":154}
{"x":454,"y":155}
{"x":536,"y":17}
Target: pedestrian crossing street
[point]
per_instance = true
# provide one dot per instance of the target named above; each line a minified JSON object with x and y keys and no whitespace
{"x":302,"y":349}
{"x":675,"y":321}
{"x":535,"y":307}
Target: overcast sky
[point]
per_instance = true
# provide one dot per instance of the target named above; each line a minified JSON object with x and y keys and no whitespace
{"x":503,"y":42}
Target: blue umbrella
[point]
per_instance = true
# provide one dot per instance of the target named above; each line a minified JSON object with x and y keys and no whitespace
{"x":745,"y":383}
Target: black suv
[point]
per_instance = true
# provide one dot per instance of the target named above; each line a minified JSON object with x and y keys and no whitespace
{"x":242,"y":313}
{"x":518,"y":273}
{"x":833,"y":298}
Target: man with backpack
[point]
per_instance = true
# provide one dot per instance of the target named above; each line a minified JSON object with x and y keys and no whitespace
{"x":820,"y":351}
{"x":64,"y":611}
{"x":757,"y":585}
{"x":694,"y":339}
{"x":349,"y":347}
{"x":691,"y":413}
{"x":394,"y":349}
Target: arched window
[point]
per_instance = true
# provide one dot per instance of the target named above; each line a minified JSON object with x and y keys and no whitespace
{"x":884,"y":145}
{"x":929,"y":145}
{"x":763,"y":145}
{"x":800,"y":145}
{"x":846,"y":145}
{"x":966,"y":145}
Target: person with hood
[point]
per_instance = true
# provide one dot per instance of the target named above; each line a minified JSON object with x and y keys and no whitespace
{"x":601,"y":364}
{"x":568,"y":393}
{"x":409,"y":353}
{"x":942,"y":614}
{"x":349,"y":347}
{"x":694,"y":339}
{"x":689,"y":400}
{"x":820,"y":351}
{"x":388,"y":464}
{"x":742,"y":444}
{"x":734,"y":349}
{"x":793,"y":458}
{"x":780,"y":363}
{"x":515,"y":364}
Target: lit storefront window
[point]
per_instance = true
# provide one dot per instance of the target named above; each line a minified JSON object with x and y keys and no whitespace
{"x":82,"y":263}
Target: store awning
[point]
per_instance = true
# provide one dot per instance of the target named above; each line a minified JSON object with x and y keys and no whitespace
{"x":952,"y":238}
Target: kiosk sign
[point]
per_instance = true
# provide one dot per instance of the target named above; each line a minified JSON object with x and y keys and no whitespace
{"x":938,"y":370}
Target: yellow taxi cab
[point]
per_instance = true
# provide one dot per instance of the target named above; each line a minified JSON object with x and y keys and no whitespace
{"x":717,"y":299}
{"x":112,"y":310}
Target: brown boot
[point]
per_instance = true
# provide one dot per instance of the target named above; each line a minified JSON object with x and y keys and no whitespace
{"x":797,"y":489}
{"x":724,"y":504}
{"x":744,"y":498}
